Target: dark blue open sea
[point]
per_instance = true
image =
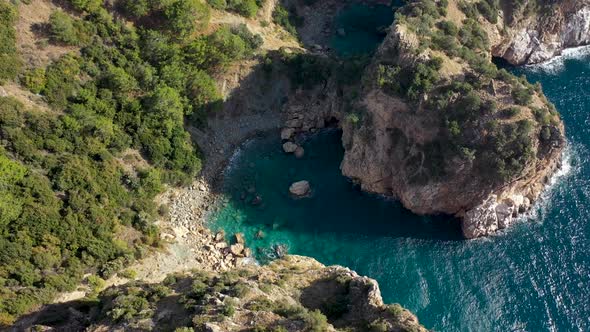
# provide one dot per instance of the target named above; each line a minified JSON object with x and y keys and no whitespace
{"x":533,"y":277}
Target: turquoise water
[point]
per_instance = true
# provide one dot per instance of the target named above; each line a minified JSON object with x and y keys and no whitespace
{"x":533,"y":277}
{"x":362,"y":26}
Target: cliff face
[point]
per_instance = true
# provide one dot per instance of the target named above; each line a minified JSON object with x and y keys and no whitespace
{"x":443,"y":131}
{"x":538,"y":36}
{"x":292,"y":294}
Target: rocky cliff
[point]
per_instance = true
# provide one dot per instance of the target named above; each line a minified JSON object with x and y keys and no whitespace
{"x":540,"y":30}
{"x":291,"y":294}
{"x":439,"y":127}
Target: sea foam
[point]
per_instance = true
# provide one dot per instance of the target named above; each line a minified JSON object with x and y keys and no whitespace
{"x":557,"y":64}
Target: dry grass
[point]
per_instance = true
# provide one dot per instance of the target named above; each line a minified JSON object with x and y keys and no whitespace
{"x":31,"y":42}
{"x":29,"y":99}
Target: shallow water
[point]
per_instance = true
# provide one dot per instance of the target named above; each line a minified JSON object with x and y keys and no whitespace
{"x":533,"y":277}
{"x":361,"y":28}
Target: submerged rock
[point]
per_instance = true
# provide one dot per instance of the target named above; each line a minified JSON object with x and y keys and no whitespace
{"x":257,"y":200}
{"x":299,"y":152}
{"x":300,"y":188}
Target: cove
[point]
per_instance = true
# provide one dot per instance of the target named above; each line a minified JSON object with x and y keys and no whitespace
{"x":360,"y":28}
{"x":534,"y":277}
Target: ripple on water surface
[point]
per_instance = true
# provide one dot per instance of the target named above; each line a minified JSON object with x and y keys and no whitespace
{"x":534,"y":277}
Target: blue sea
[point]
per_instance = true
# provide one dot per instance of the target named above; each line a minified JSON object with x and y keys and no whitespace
{"x":533,"y":277}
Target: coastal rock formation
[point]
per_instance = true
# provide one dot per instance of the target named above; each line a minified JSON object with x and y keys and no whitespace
{"x":289,"y":147}
{"x":445,"y":132}
{"x":295,"y":293}
{"x":300,"y":189}
{"x":537,"y":36}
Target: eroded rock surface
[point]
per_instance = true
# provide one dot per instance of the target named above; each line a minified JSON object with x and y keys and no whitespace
{"x":259,"y":297}
{"x":539,"y":37}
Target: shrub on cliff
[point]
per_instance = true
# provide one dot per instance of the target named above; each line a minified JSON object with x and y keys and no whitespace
{"x":34,"y":80}
{"x":218,"y":4}
{"x":424,"y":76}
{"x":61,"y":80}
{"x":489,"y":9}
{"x":287,"y":19}
{"x":86,"y":5}
{"x":247,"y":8}
{"x":136,"y":8}
{"x":522,"y":95}
{"x":186,"y":16}
{"x":66,"y":30}
{"x":473,"y":36}
{"x":10,"y":62}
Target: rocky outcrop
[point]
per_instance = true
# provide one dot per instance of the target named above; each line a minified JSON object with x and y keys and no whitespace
{"x":295,"y":293}
{"x":539,"y":36}
{"x":408,"y":149}
{"x":300,"y":189}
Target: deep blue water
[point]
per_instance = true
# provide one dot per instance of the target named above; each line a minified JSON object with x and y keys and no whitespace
{"x":533,"y":277}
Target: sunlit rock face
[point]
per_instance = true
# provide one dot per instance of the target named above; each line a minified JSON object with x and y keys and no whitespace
{"x":537,"y":37}
{"x":397,"y":149}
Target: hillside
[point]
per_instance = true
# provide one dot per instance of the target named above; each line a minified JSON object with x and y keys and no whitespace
{"x":93,"y":107}
{"x":291,"y":294}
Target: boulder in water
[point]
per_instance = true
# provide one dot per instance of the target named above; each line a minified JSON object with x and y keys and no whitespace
{"x":289,"y":147}
{"x":299,"y":152}
{"x":300,"y":189}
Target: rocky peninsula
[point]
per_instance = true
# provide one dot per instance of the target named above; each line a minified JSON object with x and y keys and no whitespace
{"x":437,"y":126}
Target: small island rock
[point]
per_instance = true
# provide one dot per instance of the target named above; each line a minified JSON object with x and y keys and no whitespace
{"x":300,"y":188}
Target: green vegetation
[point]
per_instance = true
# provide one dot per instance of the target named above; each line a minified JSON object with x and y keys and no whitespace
{"x":65,"y":29}
{"x":409,"y":82}
{"x":463,"y":107}
{"x":487,"y":8}
{"x":34,"y":80}
{"x":201,"y":301}
{"x":523,"y":95}
{"x":288,"y":19}
{"x":10,"y":62}
{"x":246,"y":8}
{"x":65,"y":196}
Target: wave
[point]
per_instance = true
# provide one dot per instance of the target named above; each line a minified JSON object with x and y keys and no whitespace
{"x":557,"y":64}
{"x":570,"y":162}
{"x":233,"y":160}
